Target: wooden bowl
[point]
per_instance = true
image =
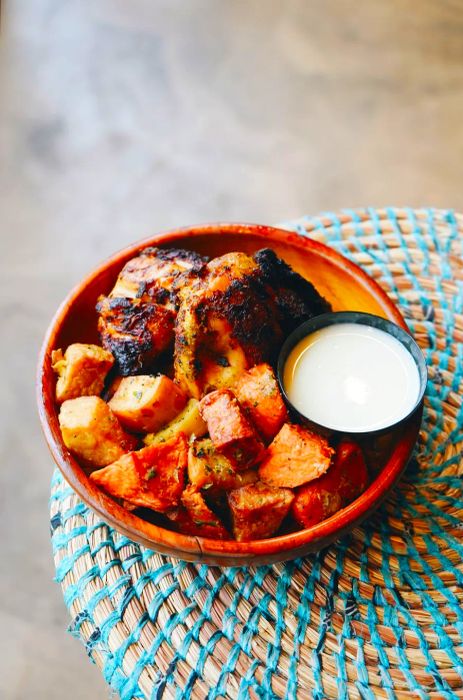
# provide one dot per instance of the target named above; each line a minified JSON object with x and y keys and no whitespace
{"x":344,"y":284}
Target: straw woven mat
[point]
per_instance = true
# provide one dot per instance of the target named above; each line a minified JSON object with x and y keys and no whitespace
{"x":378,"y":614}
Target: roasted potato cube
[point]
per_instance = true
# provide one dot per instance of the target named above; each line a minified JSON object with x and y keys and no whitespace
{"x":144,"y":403}
{"x":258,"y":510}
{"x":295,"y":457}
{"x":92,"y":432}
{"x":344,"y":481}
{"x":230,"y":430}
{"x":189,"y":422}
{"x":196,"y":518}
{"x":258,"y":393}
{"x":81,"y":370}
{"x":208,"y":468}
{"x":153,"y":477}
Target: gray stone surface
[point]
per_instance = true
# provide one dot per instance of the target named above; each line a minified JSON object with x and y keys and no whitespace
{"x":121,"y":118}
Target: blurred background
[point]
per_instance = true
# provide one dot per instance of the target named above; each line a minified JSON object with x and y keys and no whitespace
{"x":119,"y":119}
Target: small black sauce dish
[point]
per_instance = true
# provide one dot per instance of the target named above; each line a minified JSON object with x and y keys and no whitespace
{"x":357,"y":317}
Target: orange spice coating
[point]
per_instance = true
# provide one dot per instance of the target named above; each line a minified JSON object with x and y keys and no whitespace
{"x":194,"y":517}
{"x":295,"y":457}
{"x":153,"y":477}
{"x":258,"y":510}
{"x":210,"y":469}
{"x":229,"y":429}
{"x":344,"y":481}
{"x":259,"y":395}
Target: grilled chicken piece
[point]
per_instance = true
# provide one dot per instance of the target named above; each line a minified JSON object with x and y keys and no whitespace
{"x":234,"y":314}
{"x":136,"y":332}
{"x":154,"y":271}
{"x":224,"y":325}
{"x":296,"y":298}
{"x":136,"y":320}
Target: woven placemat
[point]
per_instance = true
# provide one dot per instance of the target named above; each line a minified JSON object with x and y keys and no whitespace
{"x":378,"y":614}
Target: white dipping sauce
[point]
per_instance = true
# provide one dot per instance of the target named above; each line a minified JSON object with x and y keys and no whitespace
{"x":351,"y":377}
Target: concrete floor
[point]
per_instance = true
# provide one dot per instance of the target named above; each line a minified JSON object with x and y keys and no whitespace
{"x":121,"y":118}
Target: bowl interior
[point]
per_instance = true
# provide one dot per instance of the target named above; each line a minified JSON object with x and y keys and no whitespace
{"x":344,"y":285}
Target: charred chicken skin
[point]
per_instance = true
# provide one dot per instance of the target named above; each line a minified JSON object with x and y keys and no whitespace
{"x":295,"y":298}
{"x":224,"y":325}
{"x":136,"y":320}
{"x":136,"y":332}
{"x":154,"y":273}
{"x":234,"y":314}
{"x":227,"y":315}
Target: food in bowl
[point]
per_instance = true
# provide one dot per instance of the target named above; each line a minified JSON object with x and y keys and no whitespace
{"x":180,"y":411}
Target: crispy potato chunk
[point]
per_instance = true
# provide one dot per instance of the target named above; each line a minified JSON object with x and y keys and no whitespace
{"x":144,"y":403}
{"x":258,"y":510}
{"x":196,"y":518}
{"x":208,"y":468}
{"x":341,"y":484}
{"x":229,"y":429}
{"x":188,"y":421}
{"x":81,"y":370}
{"x":92,"y":432}
{"x":258,"y":393}
{"x":153,"y":477}
{"x":295,"y":457}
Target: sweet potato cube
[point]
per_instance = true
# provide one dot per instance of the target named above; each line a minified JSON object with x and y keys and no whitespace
{"x":295,"y":457}
{"x":208,"y":468}
{"x":230,"y":430}
{"x":92,"y":432}
{"x":153,"y":477}
{"x":259,"y":395}
{"x":258,"y":510}
{"x":81,"y":370}
{"x":344,"y":481}
{"x":144,"y":403}
{"x":317,"y":500}
{"x":195,"y":517}
{"x":188,"y":421}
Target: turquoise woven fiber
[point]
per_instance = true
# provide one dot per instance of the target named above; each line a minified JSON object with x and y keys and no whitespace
{"x":379,"y":613}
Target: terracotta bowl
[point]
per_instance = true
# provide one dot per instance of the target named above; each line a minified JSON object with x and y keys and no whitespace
{"x":344,"y":284}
